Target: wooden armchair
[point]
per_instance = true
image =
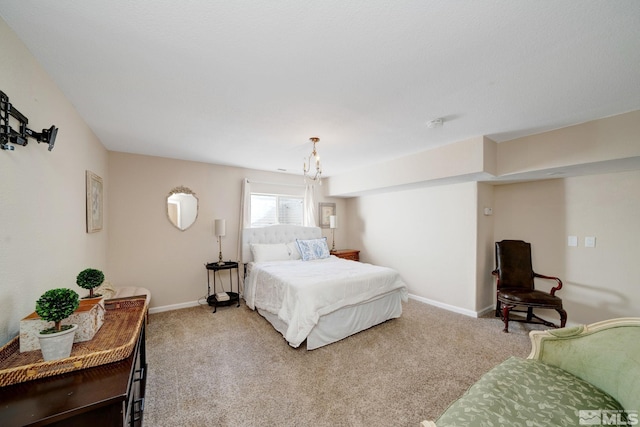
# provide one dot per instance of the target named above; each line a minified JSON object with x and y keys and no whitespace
{"x":515,"y":285}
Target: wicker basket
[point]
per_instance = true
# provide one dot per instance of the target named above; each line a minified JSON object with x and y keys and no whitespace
{"x":114,"y":341}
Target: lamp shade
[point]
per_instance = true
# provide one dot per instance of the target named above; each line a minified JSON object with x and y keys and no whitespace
{"x":333,"y":221}
{"x":220,"y":227}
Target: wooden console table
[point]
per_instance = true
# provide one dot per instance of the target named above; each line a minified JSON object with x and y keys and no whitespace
{"x":102,"y":396}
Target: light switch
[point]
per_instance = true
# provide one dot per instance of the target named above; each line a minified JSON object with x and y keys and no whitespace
{"x":572,"y":241}
{"x":589,"y":242}
{"x":488,"y":211}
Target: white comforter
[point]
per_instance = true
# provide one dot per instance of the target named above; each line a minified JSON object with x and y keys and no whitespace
{"x":299,"y":292}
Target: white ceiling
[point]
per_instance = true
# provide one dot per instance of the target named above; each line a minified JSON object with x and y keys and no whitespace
{"x":246,"y":83}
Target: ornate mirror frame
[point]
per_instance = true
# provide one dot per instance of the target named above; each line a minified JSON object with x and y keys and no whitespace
{"x":180,"y":210}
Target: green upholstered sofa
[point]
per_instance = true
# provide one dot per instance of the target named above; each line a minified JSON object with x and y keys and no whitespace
{"x":583,"y":375}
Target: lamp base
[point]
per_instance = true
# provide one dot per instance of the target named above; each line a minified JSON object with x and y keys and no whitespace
{"x":333,"y":238}
{"x":220,"y":262}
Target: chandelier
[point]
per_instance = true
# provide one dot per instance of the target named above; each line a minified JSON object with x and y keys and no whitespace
{"x":313,"y":157}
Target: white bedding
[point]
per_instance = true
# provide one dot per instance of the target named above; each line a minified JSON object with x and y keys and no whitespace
{"x":299,"y":292}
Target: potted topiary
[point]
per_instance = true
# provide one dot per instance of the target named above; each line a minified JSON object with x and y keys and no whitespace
{"x":90,"y":278}
{"x":56,"y":305}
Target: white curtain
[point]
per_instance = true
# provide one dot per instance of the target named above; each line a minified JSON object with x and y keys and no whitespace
{"x":245,"y":204}
{"x":309,"y":217}
{"x":245,"y":213}
{"x":245,"y":220}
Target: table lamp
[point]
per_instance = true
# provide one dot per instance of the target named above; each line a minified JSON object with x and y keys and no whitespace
{"x":220,"y":230}
{"x":333,"y":224}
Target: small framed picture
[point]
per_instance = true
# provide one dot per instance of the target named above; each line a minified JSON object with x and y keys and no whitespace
{"x":325,"y":210}
{"x":94,"y":202}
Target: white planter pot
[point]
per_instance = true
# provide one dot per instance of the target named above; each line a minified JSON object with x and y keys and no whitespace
{"x":57,"y":345}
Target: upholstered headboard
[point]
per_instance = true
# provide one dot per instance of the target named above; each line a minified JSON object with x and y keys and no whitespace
{"x":275,"y":234}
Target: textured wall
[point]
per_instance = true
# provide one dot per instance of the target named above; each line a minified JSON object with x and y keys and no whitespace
{"x":43,"y":242}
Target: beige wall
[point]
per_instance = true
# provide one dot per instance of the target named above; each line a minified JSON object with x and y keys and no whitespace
{"x":428,"y":235}
{"x":485,"y":249}
{"x":43,"y":242}
{"x":600,"y":282}
{"x":443,"y":244}
{"x":458,"y":162}
{"x":606,"y":140}
{"x":146,"y":250}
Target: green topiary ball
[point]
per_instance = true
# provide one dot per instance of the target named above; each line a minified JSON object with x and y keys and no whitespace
{"x":57,"y":304}
{"x":90,"y":278}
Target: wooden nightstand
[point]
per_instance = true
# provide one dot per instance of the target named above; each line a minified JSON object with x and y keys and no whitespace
{"x":350,"y":254}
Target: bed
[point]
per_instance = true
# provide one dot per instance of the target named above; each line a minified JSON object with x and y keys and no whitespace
{"x":308,"y":294}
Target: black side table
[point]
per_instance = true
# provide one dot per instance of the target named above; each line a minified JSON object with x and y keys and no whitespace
{"x":233,"y":296}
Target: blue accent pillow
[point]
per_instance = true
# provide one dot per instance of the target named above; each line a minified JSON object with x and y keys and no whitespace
{"x":313,"y":249}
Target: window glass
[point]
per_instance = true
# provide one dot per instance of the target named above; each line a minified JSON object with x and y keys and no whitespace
{"x":271,"y":209}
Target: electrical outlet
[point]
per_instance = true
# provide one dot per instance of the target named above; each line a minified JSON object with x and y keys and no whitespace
{"x":572,"y":241}
{"x":589,"y":242}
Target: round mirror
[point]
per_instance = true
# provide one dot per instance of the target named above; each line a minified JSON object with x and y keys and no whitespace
{"x":182,"y":207}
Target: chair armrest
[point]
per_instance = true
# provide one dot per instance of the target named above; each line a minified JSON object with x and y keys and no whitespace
{"x":554,"y":289}
{"x":540,"y":338}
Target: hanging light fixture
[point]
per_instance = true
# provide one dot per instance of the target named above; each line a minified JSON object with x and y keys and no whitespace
{"x":314,"y":157}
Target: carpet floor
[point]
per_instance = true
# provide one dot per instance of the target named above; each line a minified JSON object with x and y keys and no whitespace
{"x":232,"y":368}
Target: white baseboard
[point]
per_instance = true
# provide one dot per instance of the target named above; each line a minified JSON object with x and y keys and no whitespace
{"x":486,"y":310}
{"x":439,"y":304}
{"x":173,"y":307}
{"x":480,"y":313}
{"x":449,"y":307}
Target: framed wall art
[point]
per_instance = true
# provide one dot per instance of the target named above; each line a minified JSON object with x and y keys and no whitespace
{"x":325,"y":210}
{"x":94,"y":202}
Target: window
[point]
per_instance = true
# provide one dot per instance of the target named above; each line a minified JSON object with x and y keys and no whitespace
{"x":271,"y":209}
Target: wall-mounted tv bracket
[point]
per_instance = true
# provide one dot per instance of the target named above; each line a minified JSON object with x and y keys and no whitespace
{"x":8,"y":135}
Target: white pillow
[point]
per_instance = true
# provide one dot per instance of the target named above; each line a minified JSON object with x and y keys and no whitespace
{"x":269,"y":252}
{"x":313,"y":249}
{"x":294,"y":252}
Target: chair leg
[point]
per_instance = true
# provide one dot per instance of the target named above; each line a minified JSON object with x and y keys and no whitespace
{"x":498,"y":308}
{"x":529,"y":314}
{"x":505,"y":317}
{"x":563,"y":317}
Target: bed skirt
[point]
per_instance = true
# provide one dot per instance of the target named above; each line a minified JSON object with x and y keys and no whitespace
{"x":346,"y":321}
